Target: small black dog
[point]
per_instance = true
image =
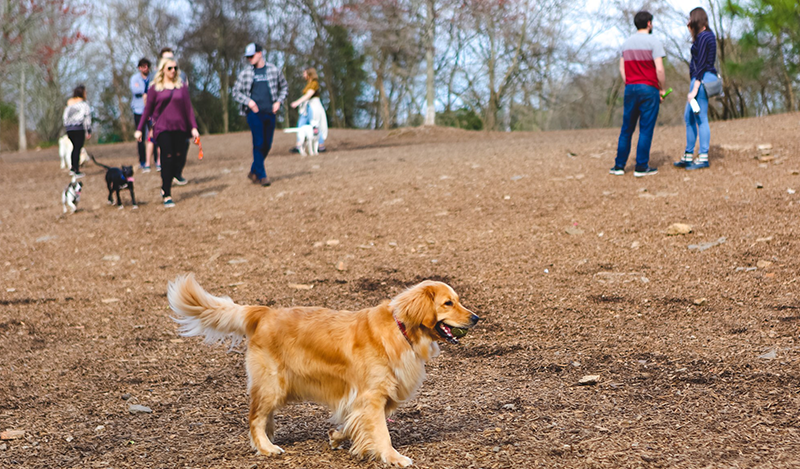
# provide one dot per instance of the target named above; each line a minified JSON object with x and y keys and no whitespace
{"x":116,"y":179}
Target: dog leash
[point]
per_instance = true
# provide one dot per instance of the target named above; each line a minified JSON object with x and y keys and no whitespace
{"x":200,"y":153}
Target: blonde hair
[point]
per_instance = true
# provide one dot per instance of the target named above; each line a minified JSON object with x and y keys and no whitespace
{"x":312,"y":74}
{"x":160,"y":76}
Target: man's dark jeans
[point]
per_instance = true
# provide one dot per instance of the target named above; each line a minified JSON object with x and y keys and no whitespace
{"x":641,"y":104}
{"x":262,"y":126}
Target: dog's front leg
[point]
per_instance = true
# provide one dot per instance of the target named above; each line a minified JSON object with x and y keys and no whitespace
{"x":133,"y":197}
{"x":266,"y":395}
{"x":370,"y":434}
{"x":119,"y":200}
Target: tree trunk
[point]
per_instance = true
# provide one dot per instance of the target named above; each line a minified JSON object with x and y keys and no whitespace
{"x":788,"y":93}
{"x":23,"y":138}
{"x":225,"y":81}
{"x":383,"y":100}
{"x":430,"y":110}
{"x":611,"y":104}
{"x":491,"y":108}
{"x":119,"y":85}
{"x":333,"y":116}
{"x":123,"y":116}
{"x":491,"y":111}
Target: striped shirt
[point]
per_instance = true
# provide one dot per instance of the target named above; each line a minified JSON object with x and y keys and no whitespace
{"x":244,"y":86}
{"x":78,"y":115}
{"x":704,"y":54}
{"x":639,"y":52}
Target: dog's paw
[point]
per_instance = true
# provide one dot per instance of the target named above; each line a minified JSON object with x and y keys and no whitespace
{"x":336,"y":439}
{"x":134,"y":207}
{"x":273,"y":450}
{"x":397,"y":459}
{"x":120,"y":207}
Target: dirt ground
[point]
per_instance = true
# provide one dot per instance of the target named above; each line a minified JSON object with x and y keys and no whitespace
{"x":697,"y":350}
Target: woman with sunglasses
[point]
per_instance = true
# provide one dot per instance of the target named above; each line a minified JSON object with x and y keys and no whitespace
{"x":169,"y":105}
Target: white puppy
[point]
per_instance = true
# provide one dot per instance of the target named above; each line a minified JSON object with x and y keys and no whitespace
{"x":308,"y":136}
{"x":72,"y":195}
{"x":65,"y":152}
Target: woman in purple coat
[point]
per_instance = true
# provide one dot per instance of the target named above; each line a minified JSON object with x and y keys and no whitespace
{"x":169,"y":105}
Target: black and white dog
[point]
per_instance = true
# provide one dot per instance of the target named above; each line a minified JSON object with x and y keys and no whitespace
{"x":72,"y":195}
{"x":117,"y":179}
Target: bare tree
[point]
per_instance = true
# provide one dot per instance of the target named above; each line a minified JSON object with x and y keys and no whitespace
{"x":126,"y":31}
{"x":507,"y":40}
{"x":218,"y":36}
{"x":430,"y":51}
{"x":16,"y":19}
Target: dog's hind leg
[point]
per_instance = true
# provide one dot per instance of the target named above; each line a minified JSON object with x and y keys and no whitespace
{"x":265,"y":397}
{"x":367,"y":428}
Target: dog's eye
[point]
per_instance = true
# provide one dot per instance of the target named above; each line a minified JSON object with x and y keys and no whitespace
{"x":448,"y":303}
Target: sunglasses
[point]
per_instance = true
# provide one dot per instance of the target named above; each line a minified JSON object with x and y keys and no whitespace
{"x":169,"y":69}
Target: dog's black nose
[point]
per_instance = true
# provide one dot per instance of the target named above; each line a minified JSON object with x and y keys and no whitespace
{"x":474,"y":319}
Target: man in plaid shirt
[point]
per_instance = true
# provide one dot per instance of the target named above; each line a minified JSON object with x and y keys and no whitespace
{"x":260,"y":90}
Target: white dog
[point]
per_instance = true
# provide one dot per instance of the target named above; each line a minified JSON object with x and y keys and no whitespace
{"x":65,"y":152}
{"x":72,"y":195}
{"x":308,"y":138}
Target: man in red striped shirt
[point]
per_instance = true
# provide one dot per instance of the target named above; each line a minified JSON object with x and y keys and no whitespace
{"x":642,"y":68}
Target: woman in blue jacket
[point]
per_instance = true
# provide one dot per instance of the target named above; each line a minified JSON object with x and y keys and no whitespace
{"x":701,"y":68}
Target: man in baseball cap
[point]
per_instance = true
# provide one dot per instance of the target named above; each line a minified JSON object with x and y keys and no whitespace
{"x":252,"y":49}
{"x":260,"y":89}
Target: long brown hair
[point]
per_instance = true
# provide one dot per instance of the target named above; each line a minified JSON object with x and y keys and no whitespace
{"x":312,"y":74}
{"x":698,"y":19}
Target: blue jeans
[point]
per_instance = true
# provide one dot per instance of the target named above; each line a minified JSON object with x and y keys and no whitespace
{"x":262,"y":126}
{"x":305,"y":119}
{"x":697,"y":124}
{"x":641,"y":104}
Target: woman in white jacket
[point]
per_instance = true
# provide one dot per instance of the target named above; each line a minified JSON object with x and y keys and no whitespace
{"x":78,"y":122}
{"x":311,"y":110}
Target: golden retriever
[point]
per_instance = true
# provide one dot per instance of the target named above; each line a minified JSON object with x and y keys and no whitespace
{"x":360,"y":364}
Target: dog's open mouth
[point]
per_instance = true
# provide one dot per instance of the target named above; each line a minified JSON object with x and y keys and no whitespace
{"x":450,"y":333}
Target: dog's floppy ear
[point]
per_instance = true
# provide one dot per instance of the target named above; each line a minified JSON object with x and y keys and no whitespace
{"x":415,"y":306}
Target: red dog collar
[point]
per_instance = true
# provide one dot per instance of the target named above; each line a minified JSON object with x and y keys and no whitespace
{"x":402,"y":329}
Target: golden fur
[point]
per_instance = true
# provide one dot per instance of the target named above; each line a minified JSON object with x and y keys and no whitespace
{"x":359,"y":364}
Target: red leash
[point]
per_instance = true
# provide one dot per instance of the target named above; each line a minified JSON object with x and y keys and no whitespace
{"x":200,"y":153}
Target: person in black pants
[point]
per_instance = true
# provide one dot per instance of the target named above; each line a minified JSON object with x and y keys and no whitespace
{"x":169,"y":105}
{"x":78,"y":123}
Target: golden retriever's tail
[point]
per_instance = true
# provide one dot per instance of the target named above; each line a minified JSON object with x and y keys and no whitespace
{"x":200,"y":313}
